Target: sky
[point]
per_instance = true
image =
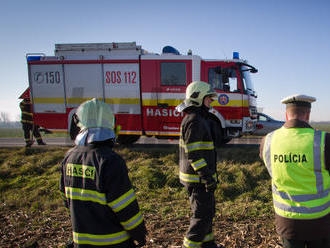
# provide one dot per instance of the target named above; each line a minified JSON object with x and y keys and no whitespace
{"x":288,"y":41}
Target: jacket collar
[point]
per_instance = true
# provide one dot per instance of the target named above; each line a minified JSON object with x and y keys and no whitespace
{"x":295,"y":123}
{"x":203,"y":110}
{"x":91,"y":135}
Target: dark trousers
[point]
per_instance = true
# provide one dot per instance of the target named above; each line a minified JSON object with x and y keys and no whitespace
{"x":27,"y":128}
{"x":322,"y":243}
{"x":202,"y":205}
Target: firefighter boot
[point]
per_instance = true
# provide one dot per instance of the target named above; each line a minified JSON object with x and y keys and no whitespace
{"x":41,"y":143}
{"x":29,"y":143}
{"x":211,"y":244}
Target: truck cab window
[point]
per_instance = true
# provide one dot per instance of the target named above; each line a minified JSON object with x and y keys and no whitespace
{"x":173,"y":73}
{"x":223,"y":79}
{"x":215,"y":79}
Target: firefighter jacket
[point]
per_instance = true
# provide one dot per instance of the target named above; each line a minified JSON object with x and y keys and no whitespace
{"x":99,"y":196}
{"x":197,"y":151}
{"x":26,"y":112}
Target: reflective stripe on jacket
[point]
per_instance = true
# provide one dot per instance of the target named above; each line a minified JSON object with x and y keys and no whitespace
{"x":99,"y":195}
{"x":196,"y":147}
{"x":294,"y":158}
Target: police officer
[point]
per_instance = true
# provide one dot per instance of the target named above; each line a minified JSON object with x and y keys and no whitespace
{"x":95,"y":185}
{"x":298,"y":160}
{"x":27,"y":124}
{"x":198,"y":163}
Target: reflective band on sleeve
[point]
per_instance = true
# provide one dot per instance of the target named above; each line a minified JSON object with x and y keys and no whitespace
{"x":200,"y":146}
{"x":123,"y":201}
{"x":133,"y":222}
{"x":199,"y":164}
{"x":317,"y":160}
{"x":302,"y":210}
{"x":189,"y":177}
{"x":300,"y":198}
{"x":85,"y":195}
{"x":191,"y":244}
{"x":27,"y":113}
{"x":267,"y":152}
{"x":100,"y":240}
{"x":194,"y":178}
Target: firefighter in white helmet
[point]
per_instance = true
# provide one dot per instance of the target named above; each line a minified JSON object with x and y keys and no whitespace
{"x":95,"y":185}
{"x":198,"y":163}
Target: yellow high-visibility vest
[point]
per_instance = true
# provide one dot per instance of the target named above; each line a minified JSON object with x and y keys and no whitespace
{"x":294,"y":158}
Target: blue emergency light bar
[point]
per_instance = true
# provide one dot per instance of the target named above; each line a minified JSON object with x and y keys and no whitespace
{"x":235,"y":55}
{"x":33,"y":58}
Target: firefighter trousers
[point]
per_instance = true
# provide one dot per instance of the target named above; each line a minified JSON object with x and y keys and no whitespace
{"x":321,"y":243}
{"x":27,"y":128}
{"x":202,"y":205}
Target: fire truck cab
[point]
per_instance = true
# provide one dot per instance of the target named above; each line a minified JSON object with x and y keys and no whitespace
{"x":142,"y":88}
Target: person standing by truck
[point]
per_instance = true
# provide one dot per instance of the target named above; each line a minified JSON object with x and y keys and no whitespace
{"x":27,"y":124}
{"x":198,"y":163}
{"x":298,"y":160}
{"x":95,"y":185}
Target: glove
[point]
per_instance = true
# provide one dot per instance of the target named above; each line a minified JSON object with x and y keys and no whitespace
{"x":210,"y":184}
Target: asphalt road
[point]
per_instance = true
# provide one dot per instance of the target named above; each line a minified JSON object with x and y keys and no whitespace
{"x":65,"y":141}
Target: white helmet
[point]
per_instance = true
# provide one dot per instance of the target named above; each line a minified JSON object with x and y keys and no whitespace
{"x":94,"y":114}
{"x":195,"y":93}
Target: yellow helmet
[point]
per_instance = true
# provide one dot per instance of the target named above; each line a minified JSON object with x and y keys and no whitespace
{"x":94,"y":113}
{"x":195,"y":93}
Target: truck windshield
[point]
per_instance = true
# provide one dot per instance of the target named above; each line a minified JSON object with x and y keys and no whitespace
{"x":247,"y":82}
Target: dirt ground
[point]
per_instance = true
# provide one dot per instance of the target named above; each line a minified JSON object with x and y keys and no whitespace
{"x":20,"y":229}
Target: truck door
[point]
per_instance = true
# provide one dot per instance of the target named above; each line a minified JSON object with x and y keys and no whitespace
{"x":47,"y":87}
{"x":122,"y":92}
{"x":175,"y":75}
{"x":226,"y":80}
{"x":163,"y":85}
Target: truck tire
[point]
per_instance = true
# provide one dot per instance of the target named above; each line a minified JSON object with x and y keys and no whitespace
{"x":127,"y":139}
{"x":226,"y":140}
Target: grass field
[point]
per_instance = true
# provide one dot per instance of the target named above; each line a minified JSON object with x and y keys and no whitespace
{"x":31,"y":211}
{"x":18,"y":132}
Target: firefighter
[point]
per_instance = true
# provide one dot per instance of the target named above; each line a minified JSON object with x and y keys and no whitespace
{"x":298,"y":160}
{"x":95,"y":185}
{"x":27,"y":124}
{"x":198,"y":163}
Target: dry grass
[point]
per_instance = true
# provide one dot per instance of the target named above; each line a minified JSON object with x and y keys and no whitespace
{"x":31,"y":211}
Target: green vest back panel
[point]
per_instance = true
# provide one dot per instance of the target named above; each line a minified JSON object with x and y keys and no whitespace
{"x":295,"y":159}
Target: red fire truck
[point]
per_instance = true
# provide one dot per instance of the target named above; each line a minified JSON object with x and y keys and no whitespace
{"x":142,"y":88}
